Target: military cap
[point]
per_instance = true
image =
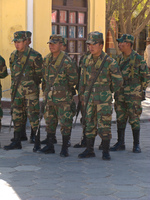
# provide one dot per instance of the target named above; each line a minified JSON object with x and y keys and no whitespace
{"x":126,"y":38}
{"x":64,"y":41}
{"x":55,"y":38}
{"x":94,"y":37}
{"x":28,"y":34}
{"x":20,"y":36}
{"x":147,"y":39}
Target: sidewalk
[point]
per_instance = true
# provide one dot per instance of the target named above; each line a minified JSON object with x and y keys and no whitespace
{"x":25,"y":175}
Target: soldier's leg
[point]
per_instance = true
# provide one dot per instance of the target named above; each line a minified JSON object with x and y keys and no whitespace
{"x":17,"y":117}
{"x":121,"y":109}
{"x":33,"y":108}
{"x":104,"y":116}
{"x":135,"y":110}
{"x":91,"y":131}
{"x":65,"y":115}
{"x":23,"y":131}
{"x":51,"y":121}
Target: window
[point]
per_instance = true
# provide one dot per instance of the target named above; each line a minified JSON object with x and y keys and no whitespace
{"x":69,"y":18}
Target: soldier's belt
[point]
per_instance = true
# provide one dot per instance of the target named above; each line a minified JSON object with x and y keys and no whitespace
{"x":58,"y":88}
{"x":130,"y":81}
{"x":99,"y":88}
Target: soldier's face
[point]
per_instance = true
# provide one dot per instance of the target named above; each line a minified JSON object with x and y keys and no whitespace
{"x":123,"y":46}
{"x":95,"y":49}
{"x":55,"y":48}
{"x":20,"y":46}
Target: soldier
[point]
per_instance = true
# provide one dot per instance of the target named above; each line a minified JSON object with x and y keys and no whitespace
{"x":3,"y":74}
{"x":128,"y":99}
{"x":26,"y":74}
{"x":60,"y":76}
{"x":96,"y":94}
{"x":23,"y":133}
{"x":63,"y":48}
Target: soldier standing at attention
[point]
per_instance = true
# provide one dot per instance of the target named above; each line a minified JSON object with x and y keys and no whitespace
{"x":99,"y":104}
{"x":3,"y":74}
{"x":26,"y":74}
{"x":128,"y":99}
{"x":23,"y":132}
{"x":60,"y":76}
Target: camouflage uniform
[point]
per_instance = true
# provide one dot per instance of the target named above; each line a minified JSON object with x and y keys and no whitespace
{"x":24,"y":120}
{"x":99,"y":107}
{"x":27,"y":95}
{"x":59,"y":98}
{"x":128,"y":99}
{"x":3,"y":74}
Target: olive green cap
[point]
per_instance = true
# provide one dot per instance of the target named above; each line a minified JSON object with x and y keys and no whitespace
{"x":55,"y":38}
{"x":28,"y":34}
{"x":20,"y":36}
{"x":64,"y":41}
{"x":94,"y":37}
{"x":126,"y":38}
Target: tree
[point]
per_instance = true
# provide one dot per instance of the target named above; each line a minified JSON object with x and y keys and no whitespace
{"x":131,"y":17}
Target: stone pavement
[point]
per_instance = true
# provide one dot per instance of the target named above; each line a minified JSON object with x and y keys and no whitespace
{"x":25,"y":175}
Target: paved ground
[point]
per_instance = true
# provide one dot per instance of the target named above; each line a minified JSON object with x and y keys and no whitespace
{"x":25,"y":175}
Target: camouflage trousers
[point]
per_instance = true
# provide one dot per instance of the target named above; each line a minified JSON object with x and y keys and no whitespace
{"x":128,"y":110}
{"x":98,"y":120}
{"x":61,"y":112}
{"x":28,"y":104}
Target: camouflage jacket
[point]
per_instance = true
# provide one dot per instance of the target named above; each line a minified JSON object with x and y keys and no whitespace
{"x":108,"y":81}
{"x":3,"y":72}
{"x":135,"y":76}
{"x":32,"y":74}
{"x":60,"y":90}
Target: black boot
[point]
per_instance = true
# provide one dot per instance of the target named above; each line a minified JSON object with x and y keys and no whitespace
{"x":64,"y":149}
{"x":89,"y":151}
{"x":32,"y":136}
{"x":82,"y":143}
{"x":23,"y":134}
{"x":120,"y":145}
{"x":16,"y":143}
{"x":45,"y":141}
{"x":105,"y":153}
{"x":49,"y":148}
{"x":101,"y":146}
{"x":136,"y":145}
{"x":37,"y":144}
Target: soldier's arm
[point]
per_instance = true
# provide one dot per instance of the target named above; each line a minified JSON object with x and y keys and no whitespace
{"x":72,"y":74}
{"x":116,"y":77}
{"x":38,"y":67}
{"x":144,"y":74}
{"x":3,"y":68}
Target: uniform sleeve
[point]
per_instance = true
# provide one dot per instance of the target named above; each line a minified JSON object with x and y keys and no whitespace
{"x":38,"y":67}
{"x":44,"y":75}
{"x":3,"y":68}
{"x":144,"y":74}
{"x":116,"y":77}
{"x":72,"y":74}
